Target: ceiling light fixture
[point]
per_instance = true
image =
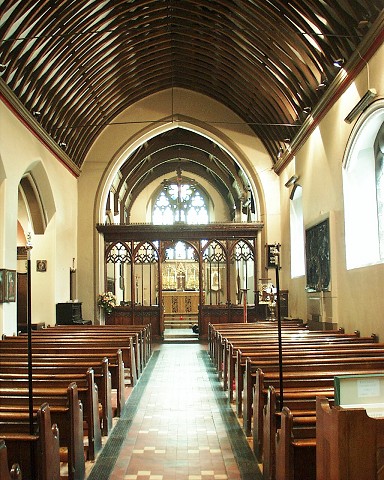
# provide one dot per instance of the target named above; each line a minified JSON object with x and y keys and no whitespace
{"x":338,"y":62}
{"x":2,"y":67}
{"x":363,"y":24}
{"x":323,"y":84}
{"x":307,"y":110}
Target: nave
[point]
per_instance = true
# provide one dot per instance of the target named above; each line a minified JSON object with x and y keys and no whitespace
{"x":177,"y":425}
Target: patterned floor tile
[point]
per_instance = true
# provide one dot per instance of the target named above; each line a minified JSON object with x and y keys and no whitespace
{"x":178,"y":424}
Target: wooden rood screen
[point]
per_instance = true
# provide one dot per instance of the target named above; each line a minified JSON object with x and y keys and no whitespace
{"x":212,"y":268}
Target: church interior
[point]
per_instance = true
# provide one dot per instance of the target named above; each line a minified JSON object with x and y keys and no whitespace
{"x":192,"y":198}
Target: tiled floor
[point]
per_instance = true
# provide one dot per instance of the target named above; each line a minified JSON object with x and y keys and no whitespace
{"x":177,"y":425}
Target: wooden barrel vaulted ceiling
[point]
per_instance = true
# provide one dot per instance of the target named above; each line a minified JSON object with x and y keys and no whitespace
{"x":76,"y":64}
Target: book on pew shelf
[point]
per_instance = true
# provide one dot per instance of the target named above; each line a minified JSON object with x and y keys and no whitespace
{"x":361,"y":391}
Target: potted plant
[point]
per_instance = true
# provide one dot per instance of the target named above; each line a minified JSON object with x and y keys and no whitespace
{"x":107,"y":301}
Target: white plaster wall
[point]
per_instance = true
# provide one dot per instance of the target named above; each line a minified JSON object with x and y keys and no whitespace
{"x":19,"y":150}
{"x":143,"y":121}
{"x":357,"y":295}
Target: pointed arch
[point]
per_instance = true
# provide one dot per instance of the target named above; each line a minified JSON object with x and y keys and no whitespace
{"x":35,"y":193}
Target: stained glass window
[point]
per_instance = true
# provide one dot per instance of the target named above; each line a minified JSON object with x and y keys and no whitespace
{"x":180,"y":201}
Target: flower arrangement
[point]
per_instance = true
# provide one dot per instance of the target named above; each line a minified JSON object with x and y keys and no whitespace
{"x":107,"y":301}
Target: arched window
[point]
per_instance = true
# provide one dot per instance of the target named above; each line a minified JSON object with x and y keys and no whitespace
{"x":297,"y":233}
{"x":363,"y":183}
{"x":180,"y":201}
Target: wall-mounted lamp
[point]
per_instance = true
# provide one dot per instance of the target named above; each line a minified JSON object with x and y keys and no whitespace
{"x":291,"y":181}
{"x":360,"y":105}
{"x":338,"y":62}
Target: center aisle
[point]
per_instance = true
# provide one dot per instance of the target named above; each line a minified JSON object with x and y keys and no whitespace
{"x":177,"y":425}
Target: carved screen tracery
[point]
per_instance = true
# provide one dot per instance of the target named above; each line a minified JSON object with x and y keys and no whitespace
{"x":146,"y":274}
{"x":215,"y":273}
{"x":242,"y":269}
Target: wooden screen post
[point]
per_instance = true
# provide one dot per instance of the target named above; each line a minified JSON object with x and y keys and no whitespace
{"x":245,"y":319}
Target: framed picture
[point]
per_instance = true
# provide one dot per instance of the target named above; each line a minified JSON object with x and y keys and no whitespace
{"x":2,"y":285}
{"x":272,"y":256}
{"x":41,"y":265}
{"x":10,"y":279}
{"x":317,"y":253}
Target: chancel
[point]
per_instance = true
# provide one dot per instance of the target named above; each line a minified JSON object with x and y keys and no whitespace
{"x":202,"y":184}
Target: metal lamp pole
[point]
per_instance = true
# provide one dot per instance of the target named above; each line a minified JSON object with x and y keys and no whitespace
{"x":28,"y":247}
{"x":277,"y":268}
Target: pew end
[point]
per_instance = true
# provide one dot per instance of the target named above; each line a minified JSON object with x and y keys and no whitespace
{"x":350,"y":445}
{"x":5,"y":473}
{"x":36,"y":453}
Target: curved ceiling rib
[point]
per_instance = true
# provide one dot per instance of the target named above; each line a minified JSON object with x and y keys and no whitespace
{"x":81,"y":63}
{"x":189,"y":151}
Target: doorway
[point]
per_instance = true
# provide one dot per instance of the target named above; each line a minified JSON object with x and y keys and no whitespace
{"x":180,"y":290}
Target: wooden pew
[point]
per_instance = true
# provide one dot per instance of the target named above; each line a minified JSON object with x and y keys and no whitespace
{"x":349,"y":444}
{"x":260,"y":333}
{"x":5,"y":473}
{"x":216,"y":330}
{"x":249,"y":332}
{"x":45,"y":464}
{"x":144,"y":332}
{"x":296,"y":448}
{"x":66,"y":411}
{"x":76,"y":358}
{"x":292,"y":354}
{"x":336,"y":364}
{"x":289,"y":337}
{"x":87,"y":394}
{"x":124,"y":342}
{"x":105,"y":347}
{"x":341,"y":357}
{"x":69,"y":373}
{"x":301,"y":404}
{"x":296,"y":379}
{"x":311,"y":352}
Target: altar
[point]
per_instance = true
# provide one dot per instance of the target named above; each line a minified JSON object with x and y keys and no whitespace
{"x":180,"y":302}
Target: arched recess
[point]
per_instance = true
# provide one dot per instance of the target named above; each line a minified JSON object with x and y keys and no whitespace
{"x":36,"y":207}
{"x":36,"y":197}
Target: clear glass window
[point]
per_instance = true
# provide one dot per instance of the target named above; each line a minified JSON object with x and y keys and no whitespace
{"x":297,"y":233}
{"x":363,"y":184}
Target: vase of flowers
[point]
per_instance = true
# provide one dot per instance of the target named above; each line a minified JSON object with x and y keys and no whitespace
{"x":107,"y":301}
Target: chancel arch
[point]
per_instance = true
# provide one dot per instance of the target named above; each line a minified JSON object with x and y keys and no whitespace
{"x":176,"y":179}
